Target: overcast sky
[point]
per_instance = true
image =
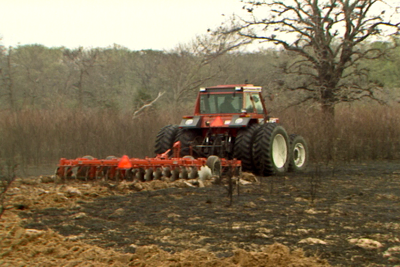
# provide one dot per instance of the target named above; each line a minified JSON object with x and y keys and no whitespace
{"x":135,"y":24}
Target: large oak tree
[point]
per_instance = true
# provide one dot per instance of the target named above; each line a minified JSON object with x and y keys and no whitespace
{"x":326,"y":40}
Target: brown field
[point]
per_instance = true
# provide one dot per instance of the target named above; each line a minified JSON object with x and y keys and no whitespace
{"x":342,"y":215}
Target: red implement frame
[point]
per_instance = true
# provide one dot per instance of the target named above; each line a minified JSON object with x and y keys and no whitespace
{"x":122,"y":167}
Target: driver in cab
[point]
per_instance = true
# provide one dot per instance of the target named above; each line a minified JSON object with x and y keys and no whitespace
{"x":226,"y":106}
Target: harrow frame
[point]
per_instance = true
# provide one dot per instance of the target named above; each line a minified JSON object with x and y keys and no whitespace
{"x":146,"y":169}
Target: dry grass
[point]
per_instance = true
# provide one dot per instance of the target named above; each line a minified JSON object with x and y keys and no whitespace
{"x":360,"y":132}
{"x":43,"y":136}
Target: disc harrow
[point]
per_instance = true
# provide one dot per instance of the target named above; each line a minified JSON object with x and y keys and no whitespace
{"x":147,"y":169}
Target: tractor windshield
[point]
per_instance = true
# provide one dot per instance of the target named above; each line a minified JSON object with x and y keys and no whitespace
{"x":221,"y":103}
{"x":253,"y":103}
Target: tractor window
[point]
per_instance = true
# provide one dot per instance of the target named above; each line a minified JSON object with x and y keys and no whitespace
{"x":221,"y":103}
{"x":253,"y":102}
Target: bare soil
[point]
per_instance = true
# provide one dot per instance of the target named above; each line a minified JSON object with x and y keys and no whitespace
{"x":342,"y":215}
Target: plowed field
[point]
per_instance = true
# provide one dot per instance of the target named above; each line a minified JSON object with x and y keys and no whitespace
{"x":343,"y":215}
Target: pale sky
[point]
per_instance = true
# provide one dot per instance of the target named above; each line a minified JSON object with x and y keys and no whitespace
{"x":135,"y":24}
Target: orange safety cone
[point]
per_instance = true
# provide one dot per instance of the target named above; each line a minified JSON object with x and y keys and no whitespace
{"x":217,"y":122}
{"x":124,"y":163}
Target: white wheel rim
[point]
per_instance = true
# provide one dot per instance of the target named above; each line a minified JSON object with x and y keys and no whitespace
{"x":279,"y":151}
{"x":299,"y":155}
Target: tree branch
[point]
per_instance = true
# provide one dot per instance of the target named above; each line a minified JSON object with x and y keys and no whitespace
{"x":160,"y":94}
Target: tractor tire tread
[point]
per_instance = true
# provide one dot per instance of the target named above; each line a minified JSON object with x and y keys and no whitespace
{"x":243,"y":149}
{"x":165,"y":138}
{"x":263,"y":154}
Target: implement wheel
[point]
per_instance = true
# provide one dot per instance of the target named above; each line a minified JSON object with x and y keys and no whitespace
{"x":214,"y":163}
{"x":271,"y":150}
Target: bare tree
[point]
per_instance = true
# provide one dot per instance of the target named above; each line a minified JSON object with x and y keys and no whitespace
{"x":326,"y":41}
{"x":81,"y":62}
{"x":192,"y":65}
{"x":181,"y":71}
{"x":34,"y":75}
{"x":6,"y":78}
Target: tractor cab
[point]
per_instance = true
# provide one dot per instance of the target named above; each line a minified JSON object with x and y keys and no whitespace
{"x":227,"y":106}
{"x":220,"y":113}
{"x":230,"y":99}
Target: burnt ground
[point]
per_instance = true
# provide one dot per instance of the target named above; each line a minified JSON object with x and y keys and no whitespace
{"x":327,"y":211}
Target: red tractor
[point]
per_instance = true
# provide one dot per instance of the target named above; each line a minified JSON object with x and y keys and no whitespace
{"x":231,"y":121}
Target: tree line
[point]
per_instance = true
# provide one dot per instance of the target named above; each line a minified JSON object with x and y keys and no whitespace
{"x":37,"y":77}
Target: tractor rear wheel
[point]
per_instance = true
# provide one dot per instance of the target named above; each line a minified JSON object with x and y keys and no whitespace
{"x":271,"y":149}
{"x":186,"y":137}
{"x":165,"y":138}
{"x":243,"y":149}
{"x":298,"y":153}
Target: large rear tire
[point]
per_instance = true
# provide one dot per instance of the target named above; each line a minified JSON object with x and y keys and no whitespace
{"x":186,"y":137}
{"x":298,"y":153}
{"x":243,"y":149}
{"x":271,"y":150}
{"x":165,"y":138}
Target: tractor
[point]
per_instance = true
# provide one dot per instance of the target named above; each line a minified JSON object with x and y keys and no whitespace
{"x":231,"y":122}
{"x":229,"y":130}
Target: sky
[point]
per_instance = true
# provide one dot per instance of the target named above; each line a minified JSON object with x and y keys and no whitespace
{"x":134,"y":24}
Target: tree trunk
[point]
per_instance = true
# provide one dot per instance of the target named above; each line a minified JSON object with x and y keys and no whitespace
{"x":329,"y":130}
{"x":328,"y":111}
{"x":10,"y":83}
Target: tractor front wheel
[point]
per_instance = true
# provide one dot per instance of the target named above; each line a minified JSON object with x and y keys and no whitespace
{"x":298,"y":153}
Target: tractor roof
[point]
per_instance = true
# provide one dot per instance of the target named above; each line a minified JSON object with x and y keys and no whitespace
{"x":236,"y":87}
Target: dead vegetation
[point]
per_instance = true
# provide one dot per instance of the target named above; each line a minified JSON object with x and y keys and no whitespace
{"x":7,"y":176}
{"x":34,"y":137}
